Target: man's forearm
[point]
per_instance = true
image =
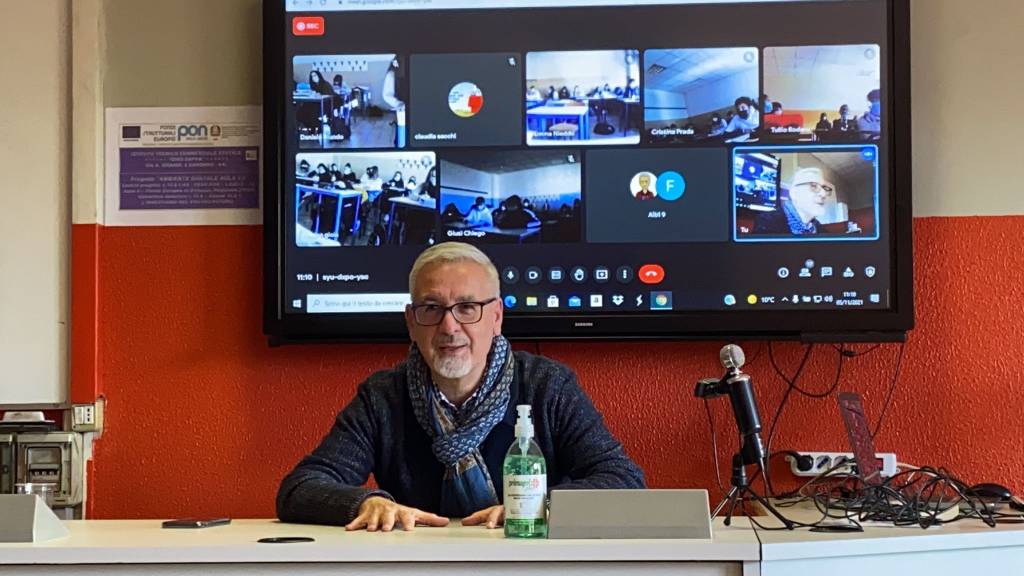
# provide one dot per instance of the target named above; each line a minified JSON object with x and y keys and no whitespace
{"x":314,"y":500}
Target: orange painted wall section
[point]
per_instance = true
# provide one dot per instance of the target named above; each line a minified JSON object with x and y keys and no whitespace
{"x":84,"y":310}
{"x":204,"y":419}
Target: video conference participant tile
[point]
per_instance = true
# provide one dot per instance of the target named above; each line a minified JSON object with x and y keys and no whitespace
{"x":365,"y":198}
{"x":349,"y":101}
{"x":516,"y":196}
{"x":583,"y":97}
{"x":657,"y":195}
{"x":701,"y":95}
{"x":822,"y":94}
{"x":799,"y":194}
{"x":465,"y":100}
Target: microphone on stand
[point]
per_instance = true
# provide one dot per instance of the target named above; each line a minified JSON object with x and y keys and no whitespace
{"x":732,"y":357}
{"x":744,"y":409}
{"x":744,"y":404}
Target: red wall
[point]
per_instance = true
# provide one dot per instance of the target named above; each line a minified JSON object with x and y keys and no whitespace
{"x":204,"y":419}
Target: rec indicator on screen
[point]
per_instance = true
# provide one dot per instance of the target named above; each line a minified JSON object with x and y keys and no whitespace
{"x":308,"y":26}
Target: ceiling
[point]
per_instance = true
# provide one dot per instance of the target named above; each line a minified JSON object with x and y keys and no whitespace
{"x":694,"y":67}
{"x":808,"y":60}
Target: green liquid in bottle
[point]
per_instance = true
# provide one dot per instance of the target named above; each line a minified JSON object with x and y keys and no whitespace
{"x":525,"y":476}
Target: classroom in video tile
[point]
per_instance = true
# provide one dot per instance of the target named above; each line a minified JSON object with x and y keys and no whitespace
{"x":822,"y":94}
{"x":792,"y":194}
{"x":701,"y":95}
{"x":365,"y":198}
{"x":517,"y":197}
{"x":349,"y":101}
{"x":583,"y":97}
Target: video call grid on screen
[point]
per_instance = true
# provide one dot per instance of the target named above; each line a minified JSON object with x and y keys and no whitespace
{"x":502,"y":127}
{"x":402,"y":47}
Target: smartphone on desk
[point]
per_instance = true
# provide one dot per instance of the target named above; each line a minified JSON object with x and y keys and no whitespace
{"x":196,"y":522}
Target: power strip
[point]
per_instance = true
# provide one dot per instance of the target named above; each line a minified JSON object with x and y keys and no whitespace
{"x":814,"y":463}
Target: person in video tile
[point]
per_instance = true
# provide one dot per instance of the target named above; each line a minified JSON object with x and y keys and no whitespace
{"x":397,"y":183}
{"x":870,"y":123}
{"x":479,"y":214}
{"x":843,"y":126}
{"x":319,"y":85}
{"x":645,"y":192}
{"x":799,"y":216}
{"x":717,"y":126}
{"x":348,"y":176}
{"x":514,"y":214}
{"x":323,"y":175}
{"x":744,"y":122}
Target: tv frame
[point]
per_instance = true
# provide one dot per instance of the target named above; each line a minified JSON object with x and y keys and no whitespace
{"x":804,"y":325}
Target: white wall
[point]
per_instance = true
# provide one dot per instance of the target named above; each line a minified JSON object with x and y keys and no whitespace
{"x":586,"y":69}
{"x":968,"y":81}
{"x":722,"y":93}
{"x":672,"y":105}
{"x":705,"y":99}
{"x":540,"y":183}
{"x":35,"y":140}
{"x":459,"y":176}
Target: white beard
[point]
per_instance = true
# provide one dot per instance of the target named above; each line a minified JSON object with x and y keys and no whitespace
{"x":453,"y":366}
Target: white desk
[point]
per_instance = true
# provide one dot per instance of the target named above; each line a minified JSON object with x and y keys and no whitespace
{"x":137,"y":546}
{"x":967,"y":547}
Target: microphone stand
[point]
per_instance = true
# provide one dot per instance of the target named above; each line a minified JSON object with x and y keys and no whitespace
{"x":744,"y":407}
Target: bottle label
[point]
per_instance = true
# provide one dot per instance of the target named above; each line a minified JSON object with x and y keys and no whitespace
{"x":524,"y":496}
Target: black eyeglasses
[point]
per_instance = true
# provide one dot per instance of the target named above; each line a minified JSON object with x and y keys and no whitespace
{"x":818,"y":187}
{"x":463,"y":312}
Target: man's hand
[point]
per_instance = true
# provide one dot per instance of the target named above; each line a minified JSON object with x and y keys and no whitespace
{"x":491,"y":517}
{"x":380,"y":513}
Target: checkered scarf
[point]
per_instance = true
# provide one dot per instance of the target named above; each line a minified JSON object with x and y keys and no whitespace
{"x":458,"y":432}
{"x":796,"y":224}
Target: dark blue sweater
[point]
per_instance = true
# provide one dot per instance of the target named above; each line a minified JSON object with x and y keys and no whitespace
{"x":378,"y":433}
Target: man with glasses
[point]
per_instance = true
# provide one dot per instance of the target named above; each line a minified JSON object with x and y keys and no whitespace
{"x":434,"y":430}
{"x":799,"y":215}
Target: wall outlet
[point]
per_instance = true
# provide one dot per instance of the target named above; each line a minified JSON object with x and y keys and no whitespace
{"x":87,"y":417}
{"x":814,"y":463}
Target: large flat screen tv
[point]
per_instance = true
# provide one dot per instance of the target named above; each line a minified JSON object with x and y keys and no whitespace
{"x":635,"y":169}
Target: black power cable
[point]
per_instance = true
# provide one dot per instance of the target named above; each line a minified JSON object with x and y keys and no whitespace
{"x":782,"y":404}
{"x":714,"y":447}
{"x":892,"y":388}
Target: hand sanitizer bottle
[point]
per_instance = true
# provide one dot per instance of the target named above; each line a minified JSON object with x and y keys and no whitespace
{"x":525,"y":483}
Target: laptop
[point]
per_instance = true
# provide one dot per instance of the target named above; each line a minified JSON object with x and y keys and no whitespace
{"x":629,"y":514}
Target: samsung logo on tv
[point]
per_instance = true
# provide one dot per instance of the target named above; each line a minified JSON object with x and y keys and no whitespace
{"x":582,"y":324}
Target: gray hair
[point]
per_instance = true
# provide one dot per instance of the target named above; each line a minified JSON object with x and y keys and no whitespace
{"x":452,"y":252}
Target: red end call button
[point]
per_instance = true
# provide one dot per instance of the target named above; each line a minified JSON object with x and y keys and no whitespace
{"x":308,"y":26}
{"x":651,"y":274}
